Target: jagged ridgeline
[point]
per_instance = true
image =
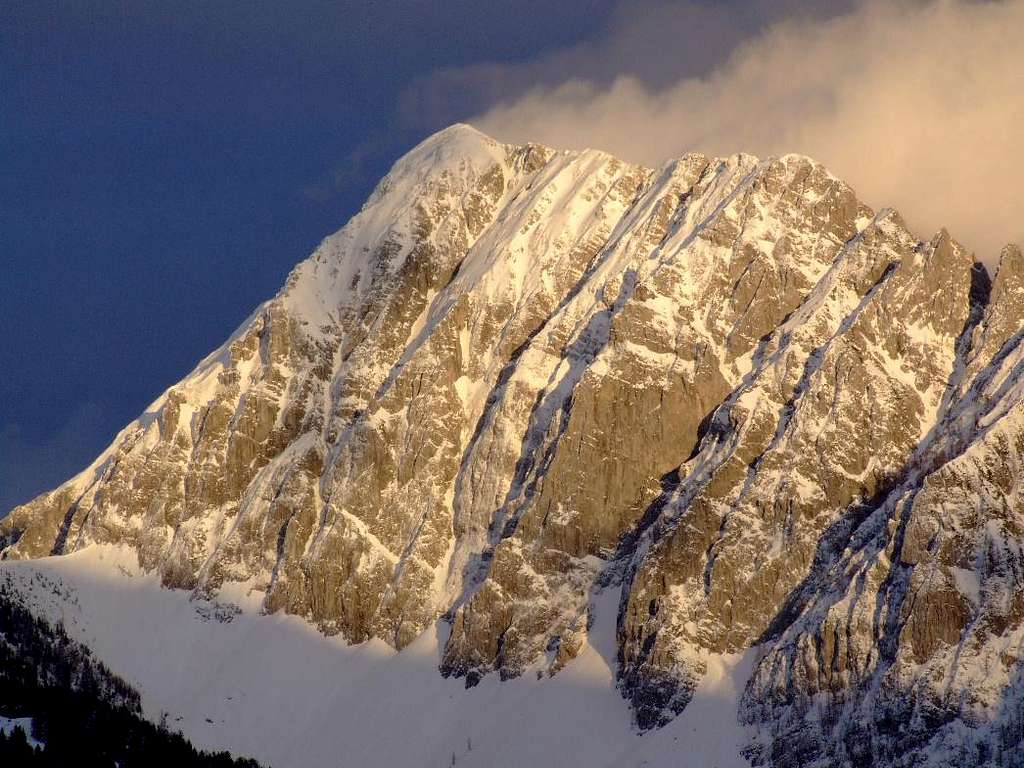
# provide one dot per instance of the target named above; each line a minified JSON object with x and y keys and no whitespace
{"x":767,"y":414}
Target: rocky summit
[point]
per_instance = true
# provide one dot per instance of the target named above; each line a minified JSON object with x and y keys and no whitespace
{"x":767,"y":416}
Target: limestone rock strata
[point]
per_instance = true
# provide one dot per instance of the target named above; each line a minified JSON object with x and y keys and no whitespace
{"x":768,"y":415}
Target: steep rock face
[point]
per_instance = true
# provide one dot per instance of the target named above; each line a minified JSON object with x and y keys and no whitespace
{"x":521,"y":375}
{"x":283,"y":459}
{"x":905,"y":647}
{"x":838,"y":398}
{"x":708,"y":261}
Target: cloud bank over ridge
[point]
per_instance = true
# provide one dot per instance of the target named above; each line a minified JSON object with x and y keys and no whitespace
{"x":919,"y":106}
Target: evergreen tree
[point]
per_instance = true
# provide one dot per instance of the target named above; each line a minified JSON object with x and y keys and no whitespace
{"x":81,"y":713}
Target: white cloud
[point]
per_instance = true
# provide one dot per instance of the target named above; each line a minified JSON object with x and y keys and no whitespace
{"x":919,"y":106}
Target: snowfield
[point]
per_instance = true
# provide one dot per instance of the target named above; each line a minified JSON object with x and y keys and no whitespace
{"x":274,"y":688}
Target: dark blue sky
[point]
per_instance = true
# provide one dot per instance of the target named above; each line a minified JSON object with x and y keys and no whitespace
{"x":163,"y":166}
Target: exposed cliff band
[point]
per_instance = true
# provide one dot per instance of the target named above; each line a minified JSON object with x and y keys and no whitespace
{"x":766,"y":413}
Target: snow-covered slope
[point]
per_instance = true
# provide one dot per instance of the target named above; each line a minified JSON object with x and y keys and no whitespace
{"x":724,"y":396}
{"x":230,"y":678}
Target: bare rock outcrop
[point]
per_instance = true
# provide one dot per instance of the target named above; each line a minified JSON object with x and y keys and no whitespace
{"x":771,"y":417}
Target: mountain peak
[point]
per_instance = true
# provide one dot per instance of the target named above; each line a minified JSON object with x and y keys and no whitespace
{"x":457,"y":140}
{"x":520,"y":378}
